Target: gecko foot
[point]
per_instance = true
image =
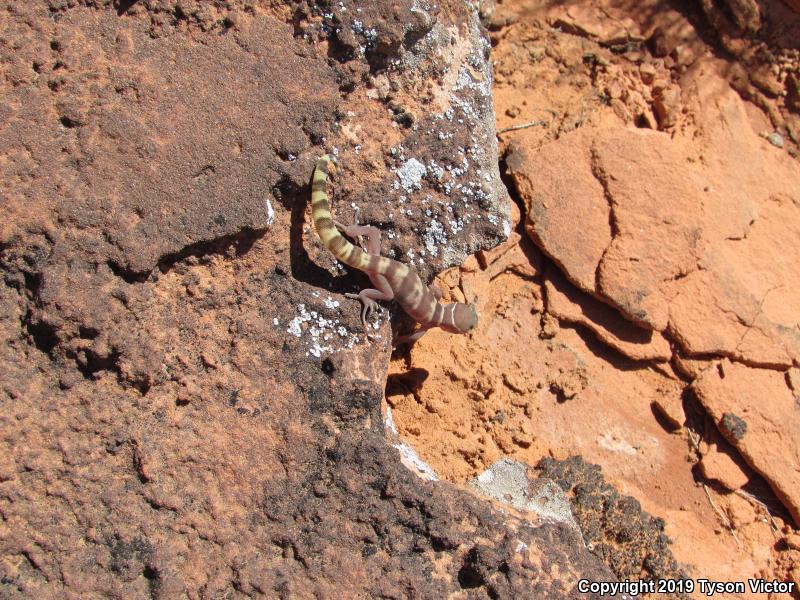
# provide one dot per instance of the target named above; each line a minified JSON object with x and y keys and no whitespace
{"x":368,"y":305}
{"x":344,"y":229}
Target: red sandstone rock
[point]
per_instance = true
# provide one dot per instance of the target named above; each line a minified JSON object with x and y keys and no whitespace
{"x":567,"y":303}
{"x":560,"y":191}
{"x":757,"y":413}
{"x":722,"y":463}
{"x":692,"y":250}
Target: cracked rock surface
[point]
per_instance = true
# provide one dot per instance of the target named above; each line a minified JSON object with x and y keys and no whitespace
{"x":681,"y":249}
{"x":758,"y":414}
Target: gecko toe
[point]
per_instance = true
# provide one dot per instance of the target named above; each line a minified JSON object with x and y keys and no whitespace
{"x":365,"y":311}
{"x":369,"y":306}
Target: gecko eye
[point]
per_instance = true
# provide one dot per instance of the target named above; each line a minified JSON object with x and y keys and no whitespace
{"x":465,"y":317}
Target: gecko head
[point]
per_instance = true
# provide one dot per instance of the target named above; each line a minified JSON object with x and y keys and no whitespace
{"x":464,"y":319}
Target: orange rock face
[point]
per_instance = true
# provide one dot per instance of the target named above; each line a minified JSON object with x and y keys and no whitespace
{"x":758,"y":414}
{"x":685,"y":255}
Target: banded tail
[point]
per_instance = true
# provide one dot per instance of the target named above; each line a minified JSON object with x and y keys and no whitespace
{"x":331,"y":237}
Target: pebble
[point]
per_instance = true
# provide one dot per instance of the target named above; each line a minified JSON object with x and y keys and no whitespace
{"x":776,"y":139}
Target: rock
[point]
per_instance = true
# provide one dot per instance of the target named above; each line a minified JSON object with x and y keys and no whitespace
{"x":722,"y":464}
{"x":756,"y":412}
{"x":793,"y":381}
{"x":792,"y":540}
{"x":685,"y":264}
{"x":667,"y":105}
{"x":793,"y":90}
{"x":613,"y":524}
{"x":569,"y":304}
{"x":190,"y":405}
{"x":767,"y":81}
{"x":690,"y":367}
{"x":550,"y":327}
{"x":599,"y":24}
{"x":647,"y":72}
{"x":741,"y":512}
{"x":559,"y":190}
{"x":746,"y":16}
{"x":776,"y":139}
{"x":568,"y":383}
{"x":670,"y":408}
{"x":732,"y":425}
{"x":510,"y":482}
{"x":794,"y":572}
{"x":635,"y":265}
{"x":660,"y":43}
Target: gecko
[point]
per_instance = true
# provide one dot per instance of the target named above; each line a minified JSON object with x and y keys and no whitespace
{"x":392,"y":279}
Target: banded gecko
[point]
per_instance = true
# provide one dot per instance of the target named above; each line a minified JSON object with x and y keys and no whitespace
{"x":392,"y":279}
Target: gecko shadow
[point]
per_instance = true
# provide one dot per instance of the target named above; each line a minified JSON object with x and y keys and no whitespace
{"x":122,"y":6}
{"x":406,"y":383}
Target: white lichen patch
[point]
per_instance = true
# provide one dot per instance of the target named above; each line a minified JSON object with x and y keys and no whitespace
{"x":434,"y":237}
{"x":322,"y":334}
{"x":411,"y":459}
{"x":388,"y":422}
{"x":408,"y":455}
{"x":410,"y":174}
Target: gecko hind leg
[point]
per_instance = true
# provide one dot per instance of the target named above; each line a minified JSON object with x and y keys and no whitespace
{"x":372,"y":233}
{"x":367,"y":297}
{"x":382,"y":289}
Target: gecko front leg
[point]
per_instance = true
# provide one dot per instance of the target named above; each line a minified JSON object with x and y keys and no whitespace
{"x":382,"y":289}
{"x":412,"y":337}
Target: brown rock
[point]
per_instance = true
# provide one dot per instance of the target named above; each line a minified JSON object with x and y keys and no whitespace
{"x":670,"y":407}
{"x":746,"y":16}
{"x":757,"y":413}
{"x":660,"y":43}
{"x":647,"y":72}
{"x":667,"y":106}
{"x":189,"y":405}
{"x":550,"y":327}
{"x":690,"y":367}
{"x":595,"y":23}
{"x":792,"y":540}
{"x":691,"y":245}
{"x":765,"y":80}
{"x":745,"y":277}
{"x":793,"y":90}
{"x":636,"y":167}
